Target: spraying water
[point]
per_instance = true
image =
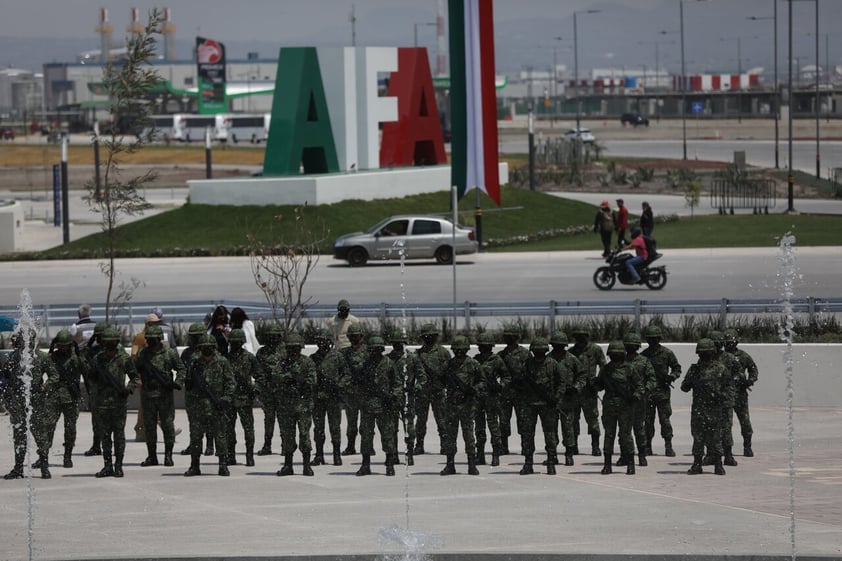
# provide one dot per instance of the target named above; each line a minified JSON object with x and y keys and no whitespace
{"x":789,"y":274}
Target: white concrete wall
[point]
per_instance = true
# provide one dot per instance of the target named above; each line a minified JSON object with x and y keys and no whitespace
{"x":11,"y":225}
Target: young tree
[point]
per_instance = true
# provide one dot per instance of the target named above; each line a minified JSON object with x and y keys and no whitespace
{"x":127,"y":83}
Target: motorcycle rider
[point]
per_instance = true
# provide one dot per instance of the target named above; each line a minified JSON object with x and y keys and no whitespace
{"x":638,"y":243}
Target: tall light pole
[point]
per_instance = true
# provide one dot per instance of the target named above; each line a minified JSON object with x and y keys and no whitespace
{"x":576,"y":65}
{"x":818,"y":140}
{"x":683,"y":80}
{"x":776,"y":101}
{"x":789,"y":179}
{"x":415,"y":30}
{"x":739,"y":75}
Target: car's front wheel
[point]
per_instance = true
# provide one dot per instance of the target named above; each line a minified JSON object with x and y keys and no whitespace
{"x":444,"y":255}
{"x":357,"y":257}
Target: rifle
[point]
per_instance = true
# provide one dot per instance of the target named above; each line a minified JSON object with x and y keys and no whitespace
{"x":146,"y":367}
{"x":451,"y":379}
{"x":198,"y":378}
{"x":66,"y":378}
{"x":103,"y":374}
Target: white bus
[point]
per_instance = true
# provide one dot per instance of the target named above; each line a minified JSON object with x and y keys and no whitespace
{"x":188,"y":128}
{"x":239,"y":127}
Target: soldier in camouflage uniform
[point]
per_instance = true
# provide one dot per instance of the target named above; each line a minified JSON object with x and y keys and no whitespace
{"x":464,"y":386}
{"x":211,"y":384}
{"x":109,"y":370}
{"x":411,"y":375}
{"x":514,"y":357}
{"x":271,"y":353}
{"x":708,"y":379}
{"x":748,"y":377}
{"x":379,"y":394}
{"x":623,"y":386}
{"x":488,"y":409}
{"x":592,"y":358}
{"x":63,"y":396}
{"x":295,"y":385}
{"x":14,"y":393}
{"x":161,"y":371}
{"x":245,"y":368}
{"x":434,"y":359}
{"x":537,"y":395}
{"x":646,"y":372}
{"x":573,"y":374}
{"x":191,"y":351}
{"x":88,"y":353}
{"x":331,"y":382}
{"x":734,"y":369}
{"x":355,"y":357}
{"x":667,"y":371}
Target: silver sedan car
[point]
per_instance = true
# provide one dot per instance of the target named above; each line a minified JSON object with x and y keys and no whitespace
{"x":414,"y":236}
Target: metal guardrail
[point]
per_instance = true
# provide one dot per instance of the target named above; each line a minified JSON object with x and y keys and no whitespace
{"x":54,"y":317}
{"x":756,"y":194}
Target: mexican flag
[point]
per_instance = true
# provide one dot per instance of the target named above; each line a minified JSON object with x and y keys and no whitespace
{"x":473,"y":100}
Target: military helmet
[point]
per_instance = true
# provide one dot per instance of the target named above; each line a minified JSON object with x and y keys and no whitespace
{"x":110,"y":334}
{"x":397,"y":337}
{"x":376,"y":342}
{"x":559,"y":338}
{"x":196,"y":329}
{"x":705,"y":345}
{"x":579,"y":331}
{"x":731,"y":335}
{"x":653,"y":331}
{"x":274,"y":330}
{"x":100,"y":328}
{"x":631,"y":338}
{"x":539,"y":344}
{"x":511,"y":331}
{"x":717,"y":336}
{"x":237,"y":336}
{"x":616,"y":348}
{"x":485,"y":338}
{"x":343,"y":304}
{"x":355,"y":329}
{"x":63,"y":337}
{"x":294,"y":340}
{"x":460,"y":342}
{"x":429,"y":329}
{"x":207,"y":341}
{"x":154,"y":332}
{"x":323,"y":335}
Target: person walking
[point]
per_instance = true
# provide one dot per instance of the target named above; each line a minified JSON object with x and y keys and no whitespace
{"x":622,"y":222}
{"x":604,"y":225}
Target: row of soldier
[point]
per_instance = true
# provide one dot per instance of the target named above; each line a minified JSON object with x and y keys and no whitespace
{"x":383,"y":391}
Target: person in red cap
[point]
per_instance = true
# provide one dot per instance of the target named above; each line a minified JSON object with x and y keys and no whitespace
{"x":604,"y":225}
{"x":622,"y":222}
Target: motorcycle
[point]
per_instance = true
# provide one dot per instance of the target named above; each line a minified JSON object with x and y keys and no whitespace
{"x":606,"y":276}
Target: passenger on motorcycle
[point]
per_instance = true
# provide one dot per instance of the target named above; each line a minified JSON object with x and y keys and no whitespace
{"x":641,"y":254}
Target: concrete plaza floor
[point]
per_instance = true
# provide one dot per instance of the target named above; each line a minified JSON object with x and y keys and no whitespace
{"x":659,"y":513}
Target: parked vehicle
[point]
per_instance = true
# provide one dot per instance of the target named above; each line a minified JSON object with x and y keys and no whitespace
{"x":7,"y":133}
{"x":634,"y":119}
{"x":245,"y":128}
{"x":416,"y":236}
{"x":585,"y":135}
{"x":606,"y":276}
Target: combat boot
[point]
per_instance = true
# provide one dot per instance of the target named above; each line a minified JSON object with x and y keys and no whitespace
{"x":410,"y":461}
{"x":249,"y":457}
{"x":450,"y":466}
{"x":696,"y":468}
{"x":575,"y":449}
{"x":729,"y":457}
{"x":17,"y":471}
{"x":630,"y":468}
{"x":337,"y":457}
{"x":568,"y":457}
{"x":151,"y":455}
{"x":286,"y":469}
{"x":390,"y":467}
{"x":495,"y":457}
{"x":107,"y":469}
{"x":186,"y":451}
{"x":668,"y":451}
{"x":527,"y":465}
{"x":231,"y":459}
{"x":37,"y":463}
{"x":45,"y":467}
{"x":365,"y":467}
{"x":266,"y":450}
{"x":480,"y":459}
{"x":648,"y":450}
{"x":641,"y":457}
{"x":419,"y":447}
{"x":319,"y":458}
{"x":622,"y":460}
{"x":552,"y":460}
{"x":396,"y":459}
{"x":504,"y":446}
{"x":747,"y":451}
{"x":595,"y":451}
{"x":68,"y":457}
{"x":94,"y":450}
{"x":223,"y":466}
{"x":708,"y":460}
{"x":209,"y":449}
{"x":606,"y":468}
{"x":194,"y":466}
{"x":118,"y":465}
{"x":306,"y":469}
{"x":351,"y":449}
{"x":472,"y":466}
{"x":717,"y":467}
{"x":168,"y":455}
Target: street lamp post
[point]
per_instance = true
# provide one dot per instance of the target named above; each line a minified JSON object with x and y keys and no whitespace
{"x":739,"y":75}
{"x":789,"y":179}
{"x":776,"y":101}
{"x":576,"y":65}
{"x":683,"y":80}
{"x":415,"y":30}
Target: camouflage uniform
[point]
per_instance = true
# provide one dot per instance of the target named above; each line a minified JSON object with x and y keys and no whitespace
{"x":295,"y":383}
{"x":108,"y":372}
{"x":708,"y":379}
{"x":514,"y":357}
{"x":379,"y":393}
{"x":488,"y":409}
{"x":191,"y":351}
{"x":161,"y":371}
{"x":463,"y":382}
{"x":538,"y":392}
{"x":88,"y":353}
{"x":591,"y":358}
{"x":211,"y":384}
{"x":412,"y":378}
{"x":14,"y":393}
{"x":572,"y":374}
{"x":355,"y":356}
{"x":667,"y":371}
{"x":245,"y":368}
{"x":734,"y":369}
{"x":623,"y":386}
{"x":434,"y":359}
{"x":331,"y":382}
{"x":748,"y":377}
{"x":646,"y":372}
{"x":269,"y":356}
{"x":63,"y":396}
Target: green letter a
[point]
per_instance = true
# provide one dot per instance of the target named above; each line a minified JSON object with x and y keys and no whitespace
{"x":300,"y":132}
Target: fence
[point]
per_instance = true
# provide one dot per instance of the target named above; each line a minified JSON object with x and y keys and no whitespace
{"x":54,"y":317}
{"x":756,"y":194}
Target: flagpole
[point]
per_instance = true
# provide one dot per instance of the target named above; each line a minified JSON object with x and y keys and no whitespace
{"x":453,"y":202}
{"x":478,"y":220}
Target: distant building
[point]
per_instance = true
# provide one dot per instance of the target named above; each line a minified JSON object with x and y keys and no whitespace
{"x":20,"y":93}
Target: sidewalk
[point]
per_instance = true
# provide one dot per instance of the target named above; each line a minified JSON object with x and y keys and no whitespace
{"x":659,"y":513}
